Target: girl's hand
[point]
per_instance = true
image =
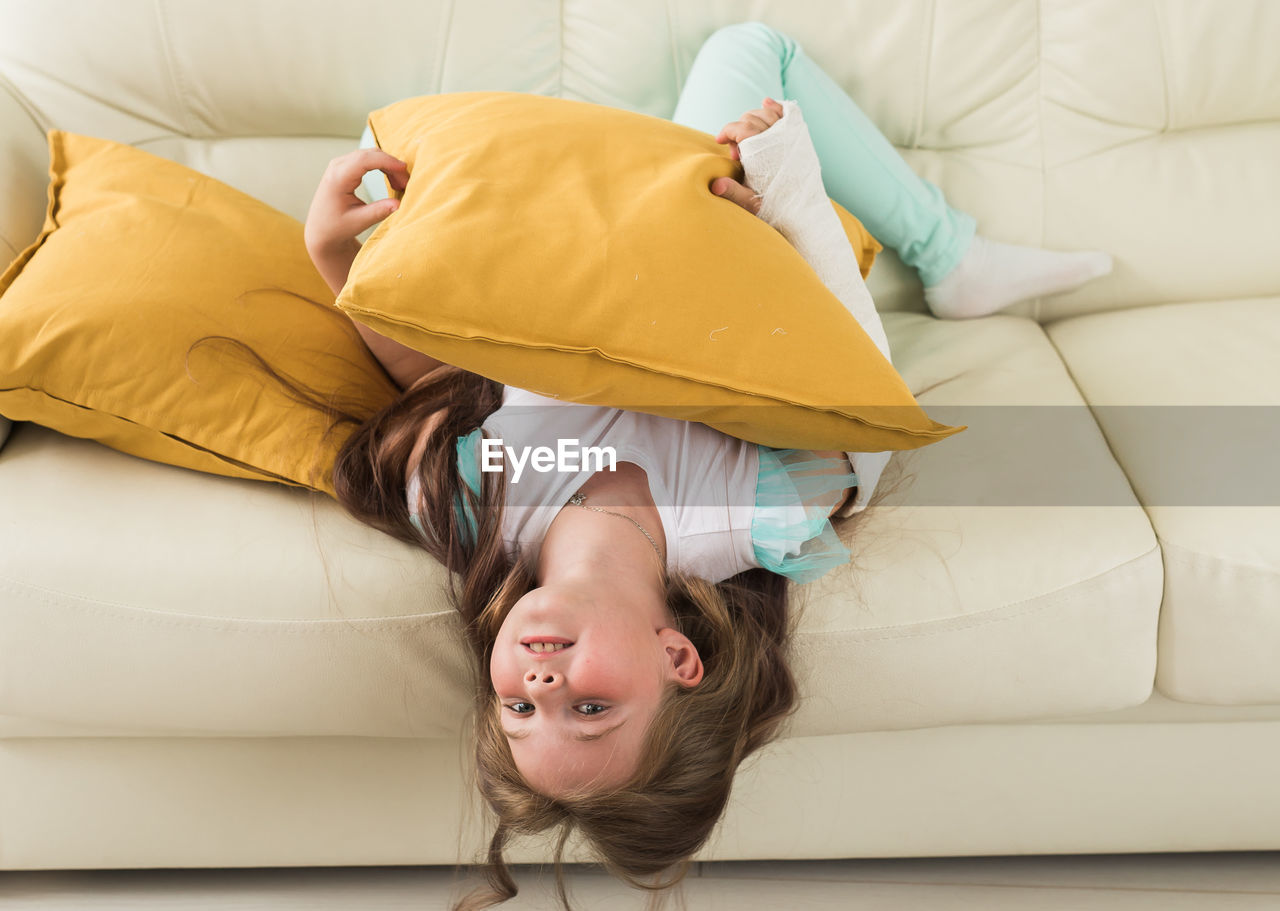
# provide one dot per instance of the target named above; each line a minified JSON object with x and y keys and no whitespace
{"x":337,"y":216}
{"x":749,"y":124}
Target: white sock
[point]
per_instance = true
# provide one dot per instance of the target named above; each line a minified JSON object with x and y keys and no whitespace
{"x":993,"y":275}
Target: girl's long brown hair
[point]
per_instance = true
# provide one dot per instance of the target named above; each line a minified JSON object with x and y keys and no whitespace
{"x":646,"y":830}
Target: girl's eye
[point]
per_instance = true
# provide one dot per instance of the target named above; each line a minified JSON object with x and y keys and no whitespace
{"x":591,"y":708}
{"x":521,"y":708}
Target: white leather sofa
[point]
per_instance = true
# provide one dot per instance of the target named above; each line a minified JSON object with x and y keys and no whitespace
{"x":1062,"y":631}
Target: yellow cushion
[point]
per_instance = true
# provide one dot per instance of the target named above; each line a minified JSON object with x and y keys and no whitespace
{"x":140,"y":257}
{"x":577,"y":250}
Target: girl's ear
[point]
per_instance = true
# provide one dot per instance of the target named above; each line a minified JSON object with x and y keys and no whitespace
{"x":685,"y":662}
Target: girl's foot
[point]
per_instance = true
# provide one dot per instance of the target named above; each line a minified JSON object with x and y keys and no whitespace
{"x":993,"y":275}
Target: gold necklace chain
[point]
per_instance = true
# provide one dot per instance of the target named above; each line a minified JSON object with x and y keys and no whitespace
{"x":578,"y":500}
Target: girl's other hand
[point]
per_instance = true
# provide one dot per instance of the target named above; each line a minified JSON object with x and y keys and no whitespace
{"x":337,"y":216}
{"x":749,"y":124}
{"x":733,"y":191}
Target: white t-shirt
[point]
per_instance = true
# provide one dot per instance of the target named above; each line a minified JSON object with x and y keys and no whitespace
{"x":703,"y":482}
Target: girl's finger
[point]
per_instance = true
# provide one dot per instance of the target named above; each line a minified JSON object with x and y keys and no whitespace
{"x":376,"y":159}
{"x":744,"y":128}
{"x":735,"y":192}
{"x":351,"y":168}
{"x":359,"y":218}
{"x":397,"y":180}
{"x":768,"y":115}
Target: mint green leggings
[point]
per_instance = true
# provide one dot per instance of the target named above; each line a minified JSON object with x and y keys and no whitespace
{"x":740,"y":64}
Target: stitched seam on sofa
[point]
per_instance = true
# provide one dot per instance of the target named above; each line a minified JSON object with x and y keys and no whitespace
{"x":175,"y":85}
{"x":1199,"y":559}
{"x":446,"y":39}
{"x":1158,"y":136}
{"x":669,"y":9}
{"x":20,"y":99}
{"x":1164,"y":67}
{"x":153,"y":617}
{"x":1095,"y":316}
{"x":1037,"y":307}
{"x":1065,"y":595}
{"x":560,"y":61}
{"x":1102,"y":431}
{"x":926,"y":54}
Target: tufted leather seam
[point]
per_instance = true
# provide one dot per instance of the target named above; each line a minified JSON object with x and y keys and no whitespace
{"x":1158,"y":136}
{"x":1067,"y":595}
{"x":174,"y":83}
{"x":446,"y":40}
{"x":926,"y":52}
{"x":20,"y":99}
{"x":1106,"y":440}
{"x":152,"y":617}
{"x":1162,"y":302}
{"x":1164,"y":67}
{"x":675,"y":49}
{"x":1037,"y":307}
{"x":1197,"y":559}
{"x":560,"y":35}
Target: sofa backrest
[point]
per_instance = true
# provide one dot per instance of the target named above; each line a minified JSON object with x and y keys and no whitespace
{"x":1149,"y":129}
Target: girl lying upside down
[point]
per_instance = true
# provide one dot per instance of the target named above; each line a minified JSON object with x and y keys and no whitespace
{"x":630,"y":645}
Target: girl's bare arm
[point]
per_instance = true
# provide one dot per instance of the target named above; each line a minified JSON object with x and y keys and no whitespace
{"x":337,"y":216}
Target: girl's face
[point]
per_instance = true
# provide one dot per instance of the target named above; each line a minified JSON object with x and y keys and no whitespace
{"x":579,"y":680}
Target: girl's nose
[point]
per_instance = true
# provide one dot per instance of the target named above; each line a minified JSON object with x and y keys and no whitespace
{"x":542,"y":679}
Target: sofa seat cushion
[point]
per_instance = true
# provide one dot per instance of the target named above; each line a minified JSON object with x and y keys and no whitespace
{"x":144,"y":598}
{"x":1006,"y":573}
{"x":1188,"y":396}
{"x":198,"y":605}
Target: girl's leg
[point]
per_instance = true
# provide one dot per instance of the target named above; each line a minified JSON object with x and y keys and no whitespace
{"x":740,"y":64}
{"x":964,"y":275}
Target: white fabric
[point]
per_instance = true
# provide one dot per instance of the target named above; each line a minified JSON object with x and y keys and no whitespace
{"x":782,"y":167}
{"x":703,"y":481}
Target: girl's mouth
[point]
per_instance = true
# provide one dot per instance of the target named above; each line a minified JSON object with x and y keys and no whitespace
{"x":546,"y":644}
